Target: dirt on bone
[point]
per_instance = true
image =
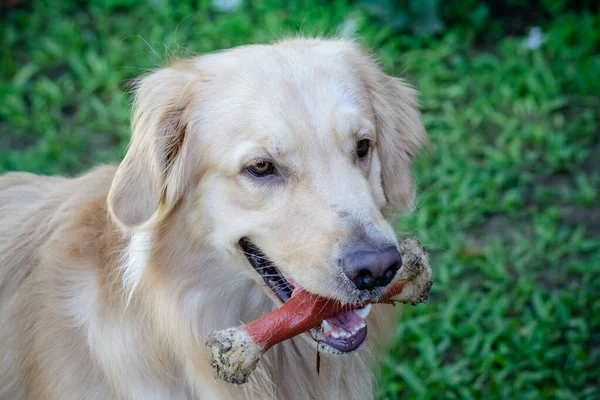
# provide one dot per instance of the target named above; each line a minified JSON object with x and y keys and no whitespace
{"x":236,"y":351}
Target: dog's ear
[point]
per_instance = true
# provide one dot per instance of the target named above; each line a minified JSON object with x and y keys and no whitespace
{"x":400,"y":132}
{"x":156,"y":169}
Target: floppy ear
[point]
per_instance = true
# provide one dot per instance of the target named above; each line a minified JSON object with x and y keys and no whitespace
{"x":400,"y":133}
{"x":156,"y":169}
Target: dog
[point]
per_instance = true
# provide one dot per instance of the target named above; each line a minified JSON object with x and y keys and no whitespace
{"x":251,"y":172}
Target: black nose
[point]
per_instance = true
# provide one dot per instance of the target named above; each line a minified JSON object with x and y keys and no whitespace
{"x":371,"y":268}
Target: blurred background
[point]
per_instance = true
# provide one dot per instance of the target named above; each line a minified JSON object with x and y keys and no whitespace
{"x":509,"y":187}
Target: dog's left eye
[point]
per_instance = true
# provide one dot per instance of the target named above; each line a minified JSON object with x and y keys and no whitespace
{"x":362,"y":148}
{"x":262,"y":168}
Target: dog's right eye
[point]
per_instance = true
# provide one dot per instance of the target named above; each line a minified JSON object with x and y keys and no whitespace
{"x":262,"y":168}
{"x":362,"y":148}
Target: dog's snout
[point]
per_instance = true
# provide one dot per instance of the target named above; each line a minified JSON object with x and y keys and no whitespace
{"x":370,"y":268}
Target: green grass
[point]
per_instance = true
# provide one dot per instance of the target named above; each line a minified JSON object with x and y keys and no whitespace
{"x":509,"y":188}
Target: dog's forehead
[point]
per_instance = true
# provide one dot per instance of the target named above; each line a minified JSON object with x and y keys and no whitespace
{"x":288,"y":97}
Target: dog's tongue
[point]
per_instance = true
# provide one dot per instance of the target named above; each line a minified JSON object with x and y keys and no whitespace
{"x":342,"y":328}
{"x":347,"y":321}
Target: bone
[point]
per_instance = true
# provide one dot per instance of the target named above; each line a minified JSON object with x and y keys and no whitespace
{"x":235,"y":352}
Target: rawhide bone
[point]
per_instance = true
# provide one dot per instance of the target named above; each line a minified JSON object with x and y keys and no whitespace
{"x":235,"y":352}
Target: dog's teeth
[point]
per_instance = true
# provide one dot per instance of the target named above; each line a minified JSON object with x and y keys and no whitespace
{"x":364,"y":312}
{"x":362,"y":324}
{"x":326,"y":327}
{"x":335,"y":335}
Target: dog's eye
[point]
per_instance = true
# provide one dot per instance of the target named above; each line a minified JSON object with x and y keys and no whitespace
{"x":261,"y":168}
{"x":362,"y":148}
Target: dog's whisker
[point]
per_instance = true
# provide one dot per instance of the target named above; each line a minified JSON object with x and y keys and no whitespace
{"x":252,"y":276}
{"x":254,"y":255}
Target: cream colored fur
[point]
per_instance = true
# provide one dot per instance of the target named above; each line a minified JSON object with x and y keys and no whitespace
{"x":110,"y":282}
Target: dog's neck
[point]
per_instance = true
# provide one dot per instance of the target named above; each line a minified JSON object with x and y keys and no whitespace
{"x":187,"y":288}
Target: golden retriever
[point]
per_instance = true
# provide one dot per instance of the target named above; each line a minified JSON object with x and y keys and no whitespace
{"x":250,"y":172}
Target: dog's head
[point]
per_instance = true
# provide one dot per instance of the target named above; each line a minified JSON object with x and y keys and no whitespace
{"x":283,"y":154}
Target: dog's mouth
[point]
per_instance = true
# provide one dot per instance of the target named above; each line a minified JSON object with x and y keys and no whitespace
{"x":267,"y":270}
{"x":342,"y":333}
